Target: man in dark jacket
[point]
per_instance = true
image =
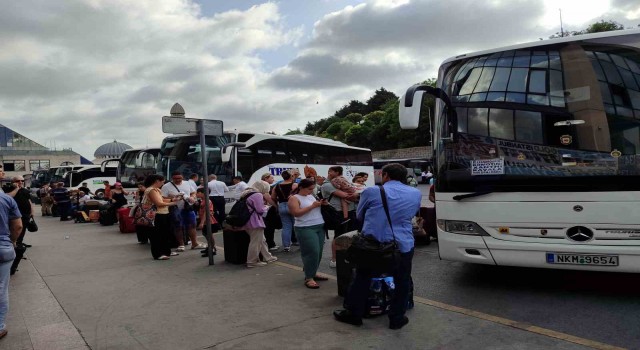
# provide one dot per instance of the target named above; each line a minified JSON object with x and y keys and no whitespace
{"x":22,"y":196}
{"x":61,"y":198}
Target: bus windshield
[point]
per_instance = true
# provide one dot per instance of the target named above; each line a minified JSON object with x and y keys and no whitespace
{"x":182,"y":153}
{"x":557,"y":117}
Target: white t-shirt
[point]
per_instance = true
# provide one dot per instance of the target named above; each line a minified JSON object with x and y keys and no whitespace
{"x":194,"y":186}
{"x":217,"y":188}
{"x":83,"y":200}
{"x":238,"y":188}
{"x":312,"y":218}
{"x":169,"y":190}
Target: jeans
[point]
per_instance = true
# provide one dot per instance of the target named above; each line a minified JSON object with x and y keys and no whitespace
{"x":287,"y":223}
{"x":311,"y":240}
{"x":7,"y":254}
{"x":358,"y":293}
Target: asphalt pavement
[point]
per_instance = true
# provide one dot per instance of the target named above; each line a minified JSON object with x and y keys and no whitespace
{"x":89,"y":286}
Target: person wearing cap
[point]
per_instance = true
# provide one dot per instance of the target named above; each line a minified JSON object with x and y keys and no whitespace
{"x":118,"y":196}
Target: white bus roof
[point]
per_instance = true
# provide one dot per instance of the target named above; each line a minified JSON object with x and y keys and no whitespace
{"x":299,"y":137}
{"x":621,"y":33}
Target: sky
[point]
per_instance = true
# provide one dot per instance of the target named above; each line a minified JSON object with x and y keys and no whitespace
{"x":81,"y":73}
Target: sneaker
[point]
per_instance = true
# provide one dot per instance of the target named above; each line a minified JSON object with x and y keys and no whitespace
{"x":180,"y":249}
{"x":332,"y":264}
{"x":274,"y":248}
{"x":257,"y":264}
{"x":273,"y":259}
{"x":286,"y":249}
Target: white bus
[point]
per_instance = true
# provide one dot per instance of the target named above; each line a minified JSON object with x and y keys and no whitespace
{"x":537,"y":153}
{"x":93,"y":175}
{"x":250,"y":155}
{"x":134,"y":165}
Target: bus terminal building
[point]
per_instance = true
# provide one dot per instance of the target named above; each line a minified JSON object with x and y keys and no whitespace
{"x":20,"y":155}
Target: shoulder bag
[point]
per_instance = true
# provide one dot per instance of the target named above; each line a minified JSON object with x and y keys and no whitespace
{"x":31,"y":225}
{"x":187,"y":206}
{"x":366,"y":252}
{"x":145,"y":213}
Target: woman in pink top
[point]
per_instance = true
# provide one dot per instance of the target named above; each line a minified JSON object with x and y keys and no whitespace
{"x":255,"y":226}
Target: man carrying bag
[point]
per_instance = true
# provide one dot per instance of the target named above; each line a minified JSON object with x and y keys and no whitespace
{"x":381,"y":227}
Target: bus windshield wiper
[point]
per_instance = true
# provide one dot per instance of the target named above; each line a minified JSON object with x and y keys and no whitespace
{"x":469,"y":195}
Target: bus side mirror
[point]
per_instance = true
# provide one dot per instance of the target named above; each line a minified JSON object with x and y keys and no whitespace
{"x":410,"y":112}
{"x":104,"y":163}
{"x":227,"y":150}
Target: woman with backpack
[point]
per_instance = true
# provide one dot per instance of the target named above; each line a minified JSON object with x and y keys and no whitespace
{"x":255,"y":226}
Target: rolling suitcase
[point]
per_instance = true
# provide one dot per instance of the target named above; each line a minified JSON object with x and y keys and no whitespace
{"x":125,"y":222}
{"x":106,"y":217}
{"x":236,"y":244}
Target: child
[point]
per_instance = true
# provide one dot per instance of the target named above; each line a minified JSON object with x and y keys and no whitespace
{"x":342,"y":184}
{"x":359,"y":183}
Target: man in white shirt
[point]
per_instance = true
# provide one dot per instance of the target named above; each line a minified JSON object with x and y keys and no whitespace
{"x":192,"y":182}
{"x":216,"y":195}
{"x":238,"y":186}
{"x":183,"y":220}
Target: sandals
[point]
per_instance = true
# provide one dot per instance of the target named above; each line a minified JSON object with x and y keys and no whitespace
{"x":180,"y":249}
{"x":163,"y":257}
{"x":199,"y":246}
{"x":311,"y":284}
{"x":174,"y":254}
{"x":320,"y":278}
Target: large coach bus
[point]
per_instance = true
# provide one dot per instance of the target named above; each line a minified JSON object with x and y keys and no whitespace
{"x":250,"y":155}
{"x":537,"y":153}
{"x":134,"y":165}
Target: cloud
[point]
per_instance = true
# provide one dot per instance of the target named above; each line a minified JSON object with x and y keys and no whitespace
{"x":82,"y":72}
{"x":397,"y":43}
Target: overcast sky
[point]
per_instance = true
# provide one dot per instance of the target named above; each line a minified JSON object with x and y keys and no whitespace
{"x":80,"y":73}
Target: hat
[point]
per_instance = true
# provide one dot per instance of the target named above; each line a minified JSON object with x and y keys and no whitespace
{"x":265,"y":176}
{"x":117,"y":184}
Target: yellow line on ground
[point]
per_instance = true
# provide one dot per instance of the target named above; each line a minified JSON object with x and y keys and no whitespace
{"x":495,"y":319}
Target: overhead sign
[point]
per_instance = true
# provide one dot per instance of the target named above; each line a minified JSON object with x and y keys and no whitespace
{"x":181,"y":125}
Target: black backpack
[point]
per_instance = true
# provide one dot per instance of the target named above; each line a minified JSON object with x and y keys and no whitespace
{"x":241,"y":211}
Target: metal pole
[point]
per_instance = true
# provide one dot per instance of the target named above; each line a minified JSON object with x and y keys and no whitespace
{"x":207,"y":214}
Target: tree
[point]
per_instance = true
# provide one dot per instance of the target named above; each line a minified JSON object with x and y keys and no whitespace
{"x":598,"y":27}
{"x":355,"y":118}
{"x":379,"y":99}
{"x":293,"y":132}
{"x":354,"y":106}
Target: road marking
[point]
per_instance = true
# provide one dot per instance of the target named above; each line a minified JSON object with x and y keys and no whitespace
{"x":495,"y":319}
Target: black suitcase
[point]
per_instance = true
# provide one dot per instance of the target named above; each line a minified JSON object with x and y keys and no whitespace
{"x":107,"y":218}
{"x":236,"y":245}
{"x":19,"y":255}
{"x":344,"y":272}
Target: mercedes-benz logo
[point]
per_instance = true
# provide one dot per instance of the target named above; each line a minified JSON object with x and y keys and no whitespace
{"x":578,"y":208}
{"x":579,"y":234}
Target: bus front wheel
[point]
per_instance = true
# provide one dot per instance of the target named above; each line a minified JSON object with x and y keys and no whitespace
{"x":100,"y":194}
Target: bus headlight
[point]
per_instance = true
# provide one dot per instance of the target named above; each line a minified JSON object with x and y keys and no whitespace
{"x":461,"y":227}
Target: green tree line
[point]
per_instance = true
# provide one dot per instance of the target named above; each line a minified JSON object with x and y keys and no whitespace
{"x":373,"y":124}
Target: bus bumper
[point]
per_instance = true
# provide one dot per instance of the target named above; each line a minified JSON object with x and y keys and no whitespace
{"x":492,"y":251}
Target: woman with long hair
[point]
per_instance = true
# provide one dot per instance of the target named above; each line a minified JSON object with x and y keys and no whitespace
{"x":309,"y":226}
{"x":255,"y":226}
{"x":160,"y":234}
{"x":280,"y":194}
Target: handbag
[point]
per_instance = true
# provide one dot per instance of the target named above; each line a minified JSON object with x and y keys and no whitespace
{"x":332,"y":218}
{"x":31,"y":225}
{"x":145,"y":214}
{"x":366,"y":252}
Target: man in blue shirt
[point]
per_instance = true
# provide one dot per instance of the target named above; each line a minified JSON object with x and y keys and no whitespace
{"x":404,"y":203}
{"x":10,"y":228}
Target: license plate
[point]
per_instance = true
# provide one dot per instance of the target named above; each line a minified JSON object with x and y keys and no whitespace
{"x":582,"y":259}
